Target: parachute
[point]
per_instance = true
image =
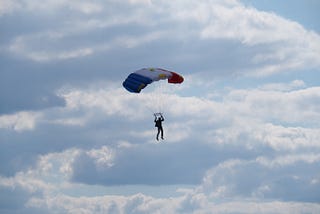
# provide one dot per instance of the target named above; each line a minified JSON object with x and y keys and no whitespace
{"x":139,"y":79}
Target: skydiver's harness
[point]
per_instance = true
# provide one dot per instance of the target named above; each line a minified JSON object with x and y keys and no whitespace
{"x":157,"y":121}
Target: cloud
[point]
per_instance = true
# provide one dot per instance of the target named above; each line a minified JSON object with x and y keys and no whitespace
{"x":227,"y":188}
{"x":288,"y":180}
{"x":241,"y":132}
{"x":93,"y":42}
{"x":213,"y":124}
{"x":243,"y":118}
{"x":50,"y":174}
{"x":49,"y":6}
{"x":144,"y":204}
{"x":244,"y":28}
{"x":266,"y":104}
{"x":19,"y":122}
{"x":8,"y":6}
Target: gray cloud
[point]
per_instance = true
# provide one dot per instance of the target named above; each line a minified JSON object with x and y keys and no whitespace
{"x":242,"y":129}
{"x":293,"y":181}
{"x":183,"y":163}
{"x":96,"y":45}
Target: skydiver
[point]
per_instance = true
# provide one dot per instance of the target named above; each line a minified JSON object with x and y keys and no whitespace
{"x":158,"y":123}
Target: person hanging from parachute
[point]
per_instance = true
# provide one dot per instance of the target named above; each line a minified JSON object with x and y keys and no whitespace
{"x":158,"y":123}
{"x":139,"y":79}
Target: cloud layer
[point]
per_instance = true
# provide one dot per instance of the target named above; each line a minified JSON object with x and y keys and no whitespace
{"x":241,"y":133}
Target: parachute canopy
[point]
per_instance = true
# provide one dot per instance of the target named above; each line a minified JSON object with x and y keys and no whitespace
{"x":139,"y":79}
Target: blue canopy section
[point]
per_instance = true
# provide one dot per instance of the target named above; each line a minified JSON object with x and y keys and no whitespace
{"x":136,"y":82}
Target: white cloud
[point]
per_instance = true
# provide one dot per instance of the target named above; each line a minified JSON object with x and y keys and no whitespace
{"x":283,"y":44}
{"x":255,"y":149}
{"x":49,"y":6}
{"x":289,"y":138}
{"x":111,"y":102}
{"x":269,"y":115}
{"x":70,"y":121}
{"x":103,"y":156}
{"x":51,"y":171}
{"x":220,"y":191}
{"x":296,"y":84}
{"x":194,"y":201}
{"x":288,"y":160}
{"x":263,"y":178}
{"x":8,"y":6}
{"x":106,"y":204}
{"x":86,"y":7}
{"x":289,"y":40}
{"x":21,"y":121}
{"x":144,"y":204}
{"x":26,"y":46}
{"x":140,"y":1}
{"x":263,"y":207}
{"x":290,"y":107}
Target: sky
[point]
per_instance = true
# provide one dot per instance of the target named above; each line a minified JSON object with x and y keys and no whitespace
{"x":241,"y":132}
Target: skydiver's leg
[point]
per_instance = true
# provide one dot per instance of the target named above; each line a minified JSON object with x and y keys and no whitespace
{"x":158,"y":133}
{"x":161,"y":129}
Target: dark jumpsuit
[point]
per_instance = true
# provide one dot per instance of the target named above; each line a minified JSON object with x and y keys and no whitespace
{"x":159,"y":126}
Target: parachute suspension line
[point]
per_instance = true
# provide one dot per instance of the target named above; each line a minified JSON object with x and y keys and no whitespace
{"x":149,"y":102}
{"x":160,"y":96}
{"x":154,"y":97}
{"x":150,"y":109}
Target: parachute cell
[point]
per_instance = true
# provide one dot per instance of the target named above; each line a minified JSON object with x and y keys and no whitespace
{"x":138,"y":80}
